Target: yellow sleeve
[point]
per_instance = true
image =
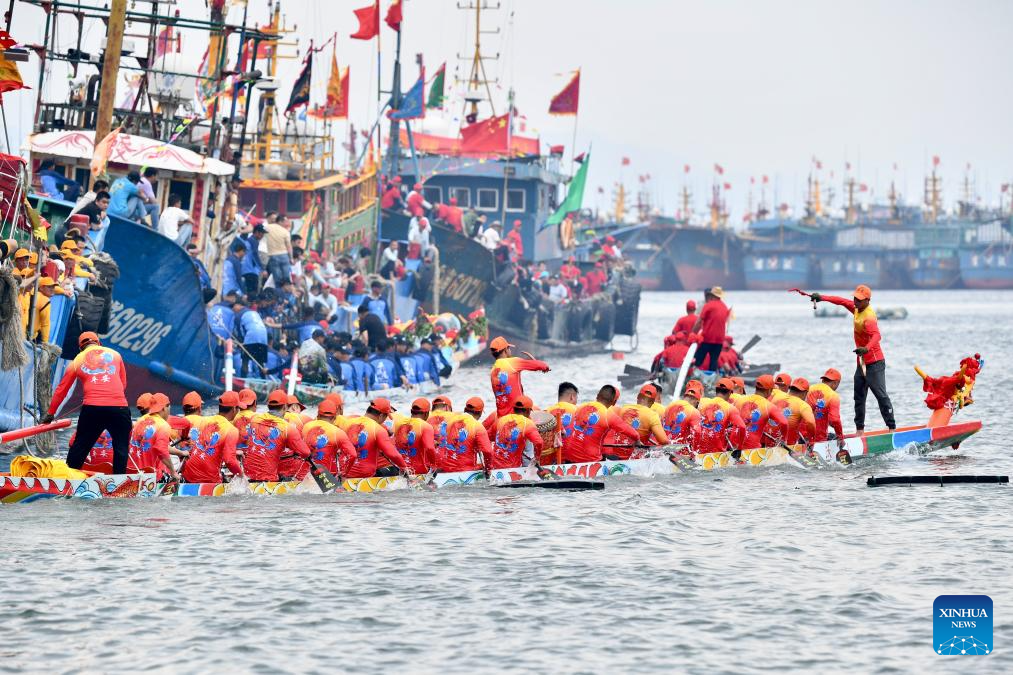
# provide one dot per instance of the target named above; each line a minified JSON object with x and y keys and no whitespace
{"x":42,"y":323}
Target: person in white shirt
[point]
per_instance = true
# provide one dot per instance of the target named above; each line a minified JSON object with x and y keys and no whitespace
{"x":491,"y":236}
{"x":389,"y":260}
{"x":558,"y":293}
{"x":418,"y":233}
{"x":324,"y":299}
{"x":175,"y":223}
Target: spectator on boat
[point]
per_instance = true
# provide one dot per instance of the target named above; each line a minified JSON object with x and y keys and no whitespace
{"x":473,"y":223}
{"x":418,"y":238}
{"x":372,"y":329}
{"x":558,"y":293}
{"x":391,"y":198}
{"x":452,"y":215}
{"x":364,"y":378}
{"x":713,"y":323}
{"x":148,"y":195}
{"x":102,"y":379}
{"x":202,"y":272}
{"x":40,"y":330}
{"x":515,"y":242}
{"x":222,"y":315}
{"x":687,"y":322}
{"x":377,"y":304}
{"x":253,"y":267}
{"x":279,"y":252}
{"x":313,"y":358}
{"x":611,"y":248}
{"x":252,"y":332}
{"x":306,"y":326}
{"x":89,"y":196}
{"x":416,"y":203}
{"x":492,"y":235}
{"x":232,"y":276}
{"x":126,"y":200}
{"x":338,"y":358}
{"x":389,"y":260}
{"x":387,"y":370}
{"x":175,"y":223}
{"x":322,"y":300}
{"x":55,"y":184}
{"x":96,"y":209}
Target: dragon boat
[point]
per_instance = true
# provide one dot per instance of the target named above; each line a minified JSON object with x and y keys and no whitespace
{"x":663,"y":462}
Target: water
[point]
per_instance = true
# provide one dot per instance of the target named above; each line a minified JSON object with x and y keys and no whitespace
{"x":750,"y":572}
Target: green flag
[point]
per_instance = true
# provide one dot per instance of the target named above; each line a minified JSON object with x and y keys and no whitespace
{"x":574,"y":195}
{"x":435,"y":98}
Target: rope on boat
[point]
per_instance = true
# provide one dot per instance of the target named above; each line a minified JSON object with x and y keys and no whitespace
{"x":12,"y":347}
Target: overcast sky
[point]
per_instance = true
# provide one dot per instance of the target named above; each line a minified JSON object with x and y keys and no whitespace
{"x":758,"y":86}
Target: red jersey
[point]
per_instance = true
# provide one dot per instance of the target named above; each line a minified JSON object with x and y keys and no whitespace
{"x":505,"y":378}
{"x":413,"y":438}
{"x":765,"y":422}
{"x":262,"y":443}
{"x":415,"y":204}
{"x":569,"y":271}
{"x":681,"y":422}
{"x":685,"y":323}
{"x":645,"y":422}
{"x":801,"y":422}
{"x":370,"y":439}
{"x":721,"y":426}
{"x":826,"y":407}
{"x":866,"y":328}
{"x":149,"y":446}
{"x":467,"y":445}
{"x":512,"y":433}
{"x":101,"y":374}
{"x":728,"y":360}
{"x":513,"y":238}
{"x":326,"y":443}
{"x":213,"y":443}
{"x":391,"y":196}
{"x":673,"y":355}
{"x":100,"y":457}
{"x":590,"y":422}
{"x":714,"y":321}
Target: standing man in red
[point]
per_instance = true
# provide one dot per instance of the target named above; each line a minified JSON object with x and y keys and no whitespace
{"x":103,"y":381}
{"x":686,"y":323}
{"x":871,"y":370}
{"x":505,"y":376}
{"x":712,"y":322}
{"x":514,"y":241}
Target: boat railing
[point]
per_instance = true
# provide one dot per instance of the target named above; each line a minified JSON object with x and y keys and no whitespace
{"x":81,"y":116}
{"x":356,"y":206}
{"x":288,"y":157}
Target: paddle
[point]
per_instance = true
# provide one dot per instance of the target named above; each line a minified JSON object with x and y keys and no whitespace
{"x":325,"y":480}
{"x":749,"y":345}
{"x":565,"y":484}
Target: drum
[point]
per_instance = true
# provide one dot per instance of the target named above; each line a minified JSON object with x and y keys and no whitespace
{"x":546,"y":425}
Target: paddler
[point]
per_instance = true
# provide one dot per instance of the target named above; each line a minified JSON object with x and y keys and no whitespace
{"x":439,"y":418}
{"x":294,"y":412}
{"x":562,"y":410}
{"x":870,"y":372}
{"x":468,"y":447}
{"x":826,"y":406}
{"x":765,"y":422}
{"x":682,"y":419}
{"x":266,"y":437}
{"x":686,"y":323}
{"x":513,"y":433}
{"x":149,"y":441}
{"x":801,"y":422}
{"x":213,"y":444}
{"x":506,"y":374}
{"x":721,"y":425}
{"x":657,"y":406}
{"x":591,"y":421}
{"x":330,"y":445}
{"x":645,"y":422}
{"x":739,"y":390}
{"x":192,"y":406}
{"x":102,"y":378}
{"x":782,"y":383}
{"x":371,"y":439}
{"x":413,"y":438}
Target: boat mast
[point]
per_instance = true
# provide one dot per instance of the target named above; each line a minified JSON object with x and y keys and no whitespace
{"x":110,"y":68}
{"x":477,"y":78}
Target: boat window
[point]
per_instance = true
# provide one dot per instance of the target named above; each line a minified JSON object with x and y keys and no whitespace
{"x":433,"y":194}
{"x":516,"y":200}
{"x":83,"y":176}
{"x":184,"y":189}
{"x":294,"y":203}
{"x":248,"y":202}
{"x":270,"y":201}
{"x":462,"y":195}
{"x":488,"y":199}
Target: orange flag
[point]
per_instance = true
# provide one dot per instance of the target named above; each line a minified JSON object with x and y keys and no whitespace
{"x":103,"y":150}
{"x":10,"y":78}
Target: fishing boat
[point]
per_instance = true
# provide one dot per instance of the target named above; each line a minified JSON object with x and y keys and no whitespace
{"x":918,"y":439}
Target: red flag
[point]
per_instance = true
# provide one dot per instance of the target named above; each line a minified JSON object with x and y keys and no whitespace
{"x":935,"y":160}
{"x":393,"y":18}
{"x":601,"y":190}
{"x":489,"y":135}
{"x":566,"y":101}
{"x":626,"y":161}
{"x":752,"y":180}
{"x":819,"y":164}
{"x":765,"y":180}
{"x":719,"y":169}
{"x":555,"y":149}
{"x":863,"y":188}
{"x":6,"y":41}
{"x":728,"y":186}
{"x":579,"y":159}
{"x":369,"y":22}
{"x":1005,"y":187}
{"x":895,"y":166}
{"x":685,"y":168}
{"x":847,"y":166}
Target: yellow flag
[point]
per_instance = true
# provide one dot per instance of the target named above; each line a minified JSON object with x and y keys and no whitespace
{"x":10,"y":78}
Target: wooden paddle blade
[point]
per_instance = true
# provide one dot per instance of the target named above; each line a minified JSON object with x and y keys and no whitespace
{"x":749,"y":345}
{"x":325,"y":480}
{"x":571,"y":485}
{"x":844,"y":457}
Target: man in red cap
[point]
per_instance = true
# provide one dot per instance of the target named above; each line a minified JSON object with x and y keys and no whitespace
{"x":413,"y":438}
{"x":371,"y":439}
{"x":674,"y":353}
{"x":766,"y":425}
{"x":416,"y":203}
{"x":192,"y":405}
{"x":686,"y":323}
{"x":826,"y":405}
{"x":505,"y":375}
{"x":721,"y":425}
{"x":467,"y":446}
{"x":330,"y":445}
{"x":591,"y":422}
{"x":782,"y":383}
{"x":645,"y":422}
{"x":213,"y":444}
{"x":149,"y":441}
{"x":801,"y":422}
{"x":514,"y":242}
{"x":513,"y":433}
{"x":871,"y":370}
{"x":681,"y":419}
{"x":267,"y":436}
{"x":102,"y":378}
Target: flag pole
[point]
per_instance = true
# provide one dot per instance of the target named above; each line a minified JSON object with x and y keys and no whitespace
{"x":379,"y":98}
{"x":573,"y":142}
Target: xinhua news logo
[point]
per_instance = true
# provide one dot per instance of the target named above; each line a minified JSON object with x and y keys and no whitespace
{"x":962,"y":625}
